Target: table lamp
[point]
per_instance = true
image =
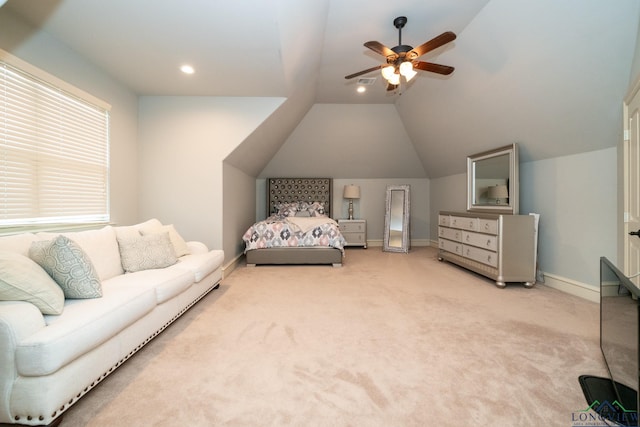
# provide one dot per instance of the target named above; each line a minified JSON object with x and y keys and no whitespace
{"x":498,"y":192}
{"x":351,"y":192}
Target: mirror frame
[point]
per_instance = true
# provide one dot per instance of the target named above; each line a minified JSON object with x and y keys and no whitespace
{"x":406,"y":243}
{"x":512,"y":207}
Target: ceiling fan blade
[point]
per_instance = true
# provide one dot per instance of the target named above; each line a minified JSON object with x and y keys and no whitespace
{"x":381,"y":49}
{"x":434,"y":68}
{"x":359,"y":73}
{"x":432,"y":44}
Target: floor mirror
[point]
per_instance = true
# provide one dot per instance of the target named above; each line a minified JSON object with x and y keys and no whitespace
{"x":396,"y":220}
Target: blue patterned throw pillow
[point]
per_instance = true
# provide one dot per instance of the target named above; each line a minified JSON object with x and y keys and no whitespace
{"x":69,"y":266}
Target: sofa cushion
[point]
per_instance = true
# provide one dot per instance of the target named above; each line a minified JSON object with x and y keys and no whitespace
{"x":68,"y":265}
{"x":166,"y":282}
{"x":19,"y":243}
{"x":146,"y":252}
{"x":202,"y":264}
{"x":83,"y":325}
{"x":100,"y":245}
{"x":21,"y":279}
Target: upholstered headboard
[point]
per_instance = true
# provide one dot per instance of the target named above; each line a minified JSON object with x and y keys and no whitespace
{"x":288,"y":190}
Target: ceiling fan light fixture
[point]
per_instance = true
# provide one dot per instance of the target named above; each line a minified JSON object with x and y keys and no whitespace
{"x":406,"y":69}
{"x":394,"y":79}
{"x":388,"y":71}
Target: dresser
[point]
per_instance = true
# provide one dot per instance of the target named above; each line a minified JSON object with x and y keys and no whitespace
{"x":501,"y":247}
{"x":354,"y":231}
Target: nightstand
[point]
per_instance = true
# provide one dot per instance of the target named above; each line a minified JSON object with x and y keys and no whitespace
{"x":354,"y":231}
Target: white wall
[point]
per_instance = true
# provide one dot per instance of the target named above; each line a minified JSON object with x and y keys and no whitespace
{"x":576,"y":197}
{"x":183,"y":142}
{"x":46,"y":53}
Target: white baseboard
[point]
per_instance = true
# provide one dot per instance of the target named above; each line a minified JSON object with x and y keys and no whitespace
{"x":572,"y":287}
{"x":414,"y":242}
{"x":231,"y":265}
{"x":563,"y":284}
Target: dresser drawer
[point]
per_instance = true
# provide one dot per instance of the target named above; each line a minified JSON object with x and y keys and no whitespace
{"x":443,"y":220}
{"x":450,"y":233}
{"x":450,"y":246}
{"x":464,"y":223}
{"x":352,"y":227}
{"x":489,"y":226}
{"x":485,"y":241}
{"x":355,"y":238}
{"x":481,"y":255}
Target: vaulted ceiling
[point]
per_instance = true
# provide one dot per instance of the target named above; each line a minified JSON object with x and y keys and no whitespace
{"x":550,"y":74}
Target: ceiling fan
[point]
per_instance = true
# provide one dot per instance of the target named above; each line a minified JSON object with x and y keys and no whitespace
{"x":402,"y":59}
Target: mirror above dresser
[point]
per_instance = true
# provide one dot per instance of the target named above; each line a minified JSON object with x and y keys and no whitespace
{"x":493,"y":181}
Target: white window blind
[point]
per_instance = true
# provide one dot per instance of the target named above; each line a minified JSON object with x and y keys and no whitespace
{"x":54,"y":152}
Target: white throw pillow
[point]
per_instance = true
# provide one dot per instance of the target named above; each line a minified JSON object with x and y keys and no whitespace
{"x":146,"y":252}
{"x":21,"y":279}
{"x":179,"y":245}
{"x":66,"y":262}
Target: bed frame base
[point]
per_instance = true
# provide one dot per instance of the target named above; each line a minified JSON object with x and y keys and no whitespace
{"x":295,"y":256}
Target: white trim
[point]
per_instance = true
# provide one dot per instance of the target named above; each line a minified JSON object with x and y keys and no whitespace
{"x":231,"y":265}
{"x":414,"y":242}
{"x":572,"y":287}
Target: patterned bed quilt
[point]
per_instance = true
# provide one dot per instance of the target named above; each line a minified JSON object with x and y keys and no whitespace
{"x":289,"y":231}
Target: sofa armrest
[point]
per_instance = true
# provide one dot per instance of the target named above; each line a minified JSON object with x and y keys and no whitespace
{"x":18,"y":320}
{"x":197,"y":247}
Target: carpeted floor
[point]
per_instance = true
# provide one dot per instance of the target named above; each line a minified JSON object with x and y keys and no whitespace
{"x":387,"y":340}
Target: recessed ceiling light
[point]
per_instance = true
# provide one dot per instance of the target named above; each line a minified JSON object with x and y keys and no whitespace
{"x":361,"y":89}
{"x":187,"y":69}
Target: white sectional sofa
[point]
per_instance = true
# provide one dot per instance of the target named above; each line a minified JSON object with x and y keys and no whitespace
{"x":49,"y":361}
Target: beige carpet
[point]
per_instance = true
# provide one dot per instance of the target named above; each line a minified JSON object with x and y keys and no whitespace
{"x":387,"y":340}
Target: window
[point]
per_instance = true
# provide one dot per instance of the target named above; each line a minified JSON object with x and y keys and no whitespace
{"x":54,"y":150}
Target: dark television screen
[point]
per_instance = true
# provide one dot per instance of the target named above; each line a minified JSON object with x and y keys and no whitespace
{"x":619,"y":318}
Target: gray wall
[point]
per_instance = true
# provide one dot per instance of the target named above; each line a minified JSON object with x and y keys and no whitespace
{"x":577,"y":199}
{"x":371,"y":205}
{"x":353,"y":140}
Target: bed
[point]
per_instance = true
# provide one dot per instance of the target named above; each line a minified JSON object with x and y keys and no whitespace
{"x":299,"y":228}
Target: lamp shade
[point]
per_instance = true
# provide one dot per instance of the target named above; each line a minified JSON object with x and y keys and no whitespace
{"x":351,"y":192}
{"x":498,"y":192}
